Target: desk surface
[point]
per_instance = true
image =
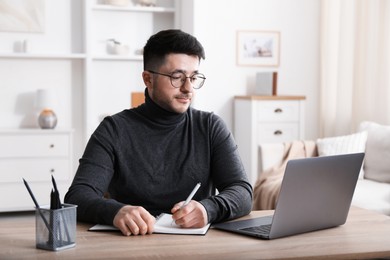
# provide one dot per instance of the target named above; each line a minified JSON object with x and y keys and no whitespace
{"x":365,"y":235}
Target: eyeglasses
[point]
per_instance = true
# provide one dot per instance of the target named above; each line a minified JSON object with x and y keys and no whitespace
{"x":178,"y":79}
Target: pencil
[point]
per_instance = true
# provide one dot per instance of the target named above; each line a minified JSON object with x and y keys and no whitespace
{"x":38,"y":208}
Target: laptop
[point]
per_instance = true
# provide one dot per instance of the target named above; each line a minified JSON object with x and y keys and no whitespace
{"x":315,"y":194}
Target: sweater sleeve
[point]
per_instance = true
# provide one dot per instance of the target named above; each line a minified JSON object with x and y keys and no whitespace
{"x":93,"y":177}
{"x":227,"y":171}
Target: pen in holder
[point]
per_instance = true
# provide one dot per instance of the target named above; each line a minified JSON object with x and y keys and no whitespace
{"x":61,"y":230}
{"x":55,"y":226}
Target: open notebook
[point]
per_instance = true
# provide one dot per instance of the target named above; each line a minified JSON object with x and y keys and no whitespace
{"x":164,"y":225}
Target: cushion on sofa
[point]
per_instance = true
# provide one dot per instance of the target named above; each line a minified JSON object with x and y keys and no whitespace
{"x":377,"y":165}
{"x":354,"y":143}
{"x":372,"y":195}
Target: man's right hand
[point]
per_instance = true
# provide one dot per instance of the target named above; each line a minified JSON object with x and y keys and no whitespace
{"x":134,"y":220}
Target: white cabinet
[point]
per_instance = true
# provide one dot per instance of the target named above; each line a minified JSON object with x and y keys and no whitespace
{"x":265,"y":119}
{"x":34,"y":155}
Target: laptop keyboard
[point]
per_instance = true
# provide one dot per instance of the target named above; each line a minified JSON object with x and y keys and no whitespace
{"x":263,"y":229}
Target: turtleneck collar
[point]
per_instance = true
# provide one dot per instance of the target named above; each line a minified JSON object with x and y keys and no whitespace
{"x":158,"y":114}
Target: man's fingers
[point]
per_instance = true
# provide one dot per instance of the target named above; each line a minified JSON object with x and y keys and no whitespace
{"x":176,"y":207}
{"x":145,"y":223}
{"x":124,"y":229}
{"x":149,"y":222}
{"x":134,"y":230}
{"x":132,"y":220}
{"x":192,"y":215}
{"x":142,"y":223}
{"x":180,"y":211}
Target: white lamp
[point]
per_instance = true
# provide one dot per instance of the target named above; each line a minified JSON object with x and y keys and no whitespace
{"x":45,"y":101}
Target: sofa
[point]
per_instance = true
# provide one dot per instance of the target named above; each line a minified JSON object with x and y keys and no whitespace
{"x":373,"y":187}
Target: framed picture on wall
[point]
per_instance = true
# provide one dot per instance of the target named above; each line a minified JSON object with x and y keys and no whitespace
{"x":22,"y":16}
{"x":258,"y":48}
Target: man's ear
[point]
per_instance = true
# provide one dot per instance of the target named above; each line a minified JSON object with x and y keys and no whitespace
{"x":147,"y":78}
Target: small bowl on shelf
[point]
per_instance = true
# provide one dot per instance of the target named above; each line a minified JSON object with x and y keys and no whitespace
{"x":117,"y":2}
{"x":116,"y":48}
{"x":145,"y":2}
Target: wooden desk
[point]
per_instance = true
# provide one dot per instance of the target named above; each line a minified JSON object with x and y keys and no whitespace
{"x":365,"y":235}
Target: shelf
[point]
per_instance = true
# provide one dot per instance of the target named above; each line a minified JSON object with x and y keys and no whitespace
{"x":277,"y":97}
{"x":118,"y":58}
{"x":23,"y":131}
{"x":62,"y":56}
{"x":155,"y":9}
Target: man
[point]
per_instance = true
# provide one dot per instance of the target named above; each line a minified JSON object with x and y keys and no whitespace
{"x":149,"y":158}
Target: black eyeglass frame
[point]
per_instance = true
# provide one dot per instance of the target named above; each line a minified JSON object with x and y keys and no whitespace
{"x":199,"y":75}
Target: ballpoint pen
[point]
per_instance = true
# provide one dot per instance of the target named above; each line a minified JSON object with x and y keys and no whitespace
{"x":189,"y":198}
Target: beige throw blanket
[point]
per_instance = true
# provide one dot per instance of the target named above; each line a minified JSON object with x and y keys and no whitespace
{"x":267,"y":187}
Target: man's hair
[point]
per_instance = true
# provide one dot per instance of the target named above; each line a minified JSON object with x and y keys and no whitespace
{"x":167,"y":42}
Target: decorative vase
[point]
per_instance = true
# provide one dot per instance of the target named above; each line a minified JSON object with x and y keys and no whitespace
{"x":47,"y":119}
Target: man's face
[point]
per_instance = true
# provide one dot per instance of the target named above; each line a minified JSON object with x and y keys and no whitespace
{"x":160,"y":88}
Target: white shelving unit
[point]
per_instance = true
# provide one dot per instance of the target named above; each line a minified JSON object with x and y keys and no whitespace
{"x":109,"y":93}
{"x":71,"y":57}
{"x":149,"y":9}
{"x":54,"y":56}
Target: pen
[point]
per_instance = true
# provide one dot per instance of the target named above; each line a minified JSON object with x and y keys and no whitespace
{"x":55,"y":203}
{"x":189,"y":198}
{"x":55,"y":196}
{"x":38,"y":208}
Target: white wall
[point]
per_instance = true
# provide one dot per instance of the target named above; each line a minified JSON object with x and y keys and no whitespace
{"x":59,"y":18}
{"x":215,"y":24}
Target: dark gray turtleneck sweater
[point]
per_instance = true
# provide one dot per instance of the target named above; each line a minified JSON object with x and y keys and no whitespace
{"x":150,"y":157}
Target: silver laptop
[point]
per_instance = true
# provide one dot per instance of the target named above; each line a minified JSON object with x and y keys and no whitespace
{"x":316,"y":193}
